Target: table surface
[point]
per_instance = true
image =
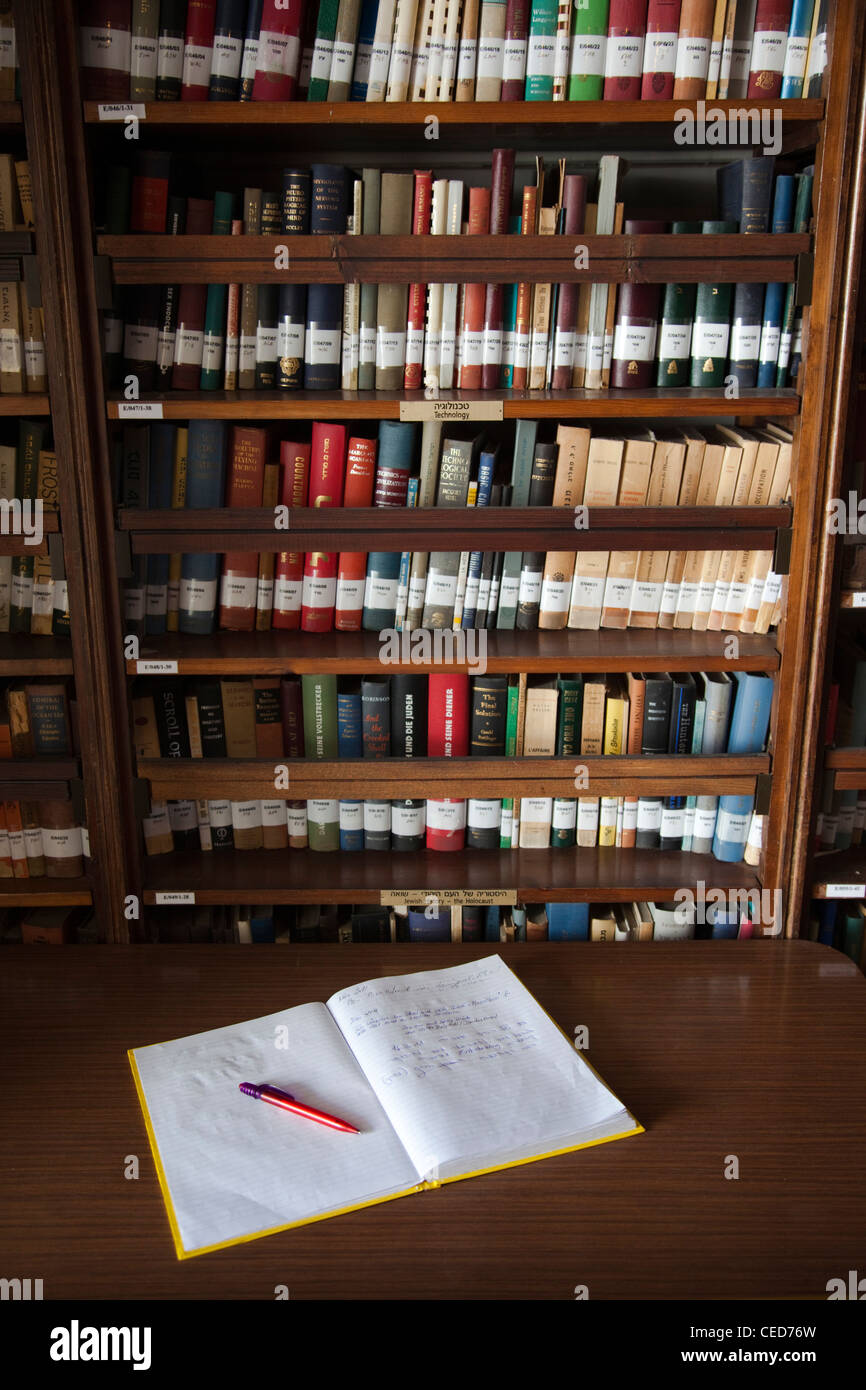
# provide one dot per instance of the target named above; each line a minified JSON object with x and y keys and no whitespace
{"x":755,"y":1050}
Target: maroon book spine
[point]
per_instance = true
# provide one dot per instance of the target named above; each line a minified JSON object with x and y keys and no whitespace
{"x":501,"y":189}
{"x":660,"y":50}
{"x":637,"y":314}
{"x":104,"y":32}
{"x":292,"y":714}
{"x":191,"y":305}
{"x":514,"y":61}
{"x":623,"y":70}
{"x":769,"y":45}
{"x":574,"y":202}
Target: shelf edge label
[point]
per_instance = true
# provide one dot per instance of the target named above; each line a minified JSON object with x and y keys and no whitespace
{"x":396,"y":897}
{"x":156,"y":668}
{"x":120,"y":110}
{"x":845,"y":890}
{"x":139,"y":410}
{"x":173,"y":899}
{"x":451,"y":410}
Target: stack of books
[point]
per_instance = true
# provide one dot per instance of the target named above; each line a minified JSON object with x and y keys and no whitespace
{"x":210,"y":464}
{"x":22,"y":328}
{"x":468,"y":337}
{"x":34,"y":596}
{"x":451,"y":50}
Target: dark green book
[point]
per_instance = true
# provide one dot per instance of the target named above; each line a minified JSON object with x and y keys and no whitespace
{"x":569,"y":715}
{"x":320,"y":72}
{"x":213,"y":350}
{"x":212,"y":729}
{"x":323,"y":824}
{"x":712,"y":328}
{"x":319,"y":695}
{"x":675,"y":326}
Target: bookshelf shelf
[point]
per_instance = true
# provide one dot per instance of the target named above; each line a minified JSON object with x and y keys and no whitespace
{"x":45,"y":892}
{"x":24,"y":655}
{"x":658,"y":403}
{"x":176,"y":115}
{"x":25,"y":405}
{"x":10,"y":114}
{"x":37,"y":779}
{"x":852,"y":599}
{"x":632,"y":649}
{"x":552,"y":875}
{"x":839,"y":873}
{"x":348,"y":778}
{"x":19,"y":545}
{"x":337,"y":260}
{"x":538,"y":528}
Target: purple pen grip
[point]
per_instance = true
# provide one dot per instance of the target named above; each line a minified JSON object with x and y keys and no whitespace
{"x":249,"y":1088}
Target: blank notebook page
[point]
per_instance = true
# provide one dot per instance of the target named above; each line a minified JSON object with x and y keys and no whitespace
{"x":236,"y":1167}
{"x":471,"y":1070}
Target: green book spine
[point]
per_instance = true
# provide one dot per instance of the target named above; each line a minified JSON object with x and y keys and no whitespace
{"x":542,"y":41}
{"x":588,"y":44}
{"x":510,"y":751}
{"x":323,"y":50}
{"x":563,"y":826}
{"x":213,"y":350}
{"x":319,"y":695}
{"x":675,"y":328}
{"x":802,"y":218}
{"x":31,"y":440}
{"x":323,"y":825}
{"x":569,"y":716}
{"x":712,"y":327}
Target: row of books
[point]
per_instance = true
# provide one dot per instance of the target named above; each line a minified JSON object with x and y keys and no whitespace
{"x":48,"y":926}
{"x":10,"y":85}
{"x":451,"y":715}
{"x":840,"y":817}
{"x":38,"y":718}
{"x":345,"y":923}
{"x":22,"y":327}
{"x":466,"y":336}
{"x":41,"y":839}
{"x":445,"y":50}
{"x":840,"y":925}
{"x":727,"y":827}
{"x":34,"y":594}
{"x":208,"y":464}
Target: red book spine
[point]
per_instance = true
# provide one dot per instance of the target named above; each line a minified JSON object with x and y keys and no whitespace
{"x":279,"y":56}
{"x":446,"y":824}
{"x":501,"y":187}
{"x":191,"y":306}
{"x":327,"y":465}
{"x":448,"y":715}
{"x":623,"y":67}
{"x":660,"y":50}
{"x":474,"y":298}
{"x":772,"y":21}
{"x":292,"y":711}
{"x":149,"y":210}
{"x":289,"y":571}
{"x":514,"y":54}
{"x":198,"y":50}
{"x":104,"y":36}
{"x":240,"y":569}
{"x":352,"y":568}
{"x":414,"y":370}
{"x":574,"y":202}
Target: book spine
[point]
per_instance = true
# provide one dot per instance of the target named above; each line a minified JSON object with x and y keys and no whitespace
{"x":514,"y":50}
{"x":769,"y":48}
{"x":198,"y":50}
{"x":660,"y":50}
{"x":501,"y":184}
{"x":414,"y":368}
{"x":624,"y":53}
{"x":279,"y":51}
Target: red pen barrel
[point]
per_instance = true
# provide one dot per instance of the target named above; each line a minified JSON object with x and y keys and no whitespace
{"x":275,"y":1097}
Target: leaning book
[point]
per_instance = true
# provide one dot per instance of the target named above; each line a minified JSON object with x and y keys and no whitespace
{"x":447,"y":1074}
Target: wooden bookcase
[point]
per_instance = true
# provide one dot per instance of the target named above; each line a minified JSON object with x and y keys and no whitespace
{"x":68,"y":140}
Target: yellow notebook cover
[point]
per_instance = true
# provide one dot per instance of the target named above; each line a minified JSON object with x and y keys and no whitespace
{"x":447,"y":1074}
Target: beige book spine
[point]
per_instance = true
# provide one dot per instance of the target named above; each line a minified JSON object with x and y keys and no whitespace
{"x":421,"y":50}
{"x":247,"y":823}
{"x":573,"y":442}
{"x":158,"y":838}
{"x":622,"y":566}
{"x":539,"y":725}
{"x":663,"y":491}
{"x":584,"y":297}
{"x":239,"y":716}
{"x":694,"y":562}
{"x":11,"y":368}
{"x":468,"y":49}
{"x":535,"y":821}
{"x":688,"y":497}
{"x":610,"y":317}
{"x":541,"y":314}
{"x":275,"y":827}
{"x":400,"y":67}
{"x":556,"y":586}
{"x":193,"y":724}
{"x":33,"y":335}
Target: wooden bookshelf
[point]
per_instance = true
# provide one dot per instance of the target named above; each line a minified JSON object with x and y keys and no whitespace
{"x":554,"y":875}
{"x":839,"y":873}
{"x":22,"y":654}
{"x":30,"y":404}
{"x":64,"y":146}
{"x":281,"y":653}
{"x":658,"y":403}
{"x":45,"y":892}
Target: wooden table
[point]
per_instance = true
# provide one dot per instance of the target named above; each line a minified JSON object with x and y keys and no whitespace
{"x":752,"y":1049}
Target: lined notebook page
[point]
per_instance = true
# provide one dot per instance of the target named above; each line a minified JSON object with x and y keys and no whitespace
{"x":470,"y":1069}
{"x":237,"y":1167}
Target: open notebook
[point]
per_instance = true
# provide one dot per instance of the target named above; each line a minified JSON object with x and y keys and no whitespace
{"x":446,"y":1073}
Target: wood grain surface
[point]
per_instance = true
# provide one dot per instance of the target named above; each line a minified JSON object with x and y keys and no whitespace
{"x":753,"y":1049}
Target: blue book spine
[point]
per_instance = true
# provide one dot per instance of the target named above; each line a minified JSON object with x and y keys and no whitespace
{"x":783,"y":204}
{"x":774,"y":307}
{"x":251,"y":49}
{"x":827,"y":909}
{"x":162,"y":438}
{"x":229,"y":26}
{"x":491,"y":923}
{"x":394,"y":454}
{"x":205,"y":487}
{"x":262,"y":926}
{"x":436,"y":928}
{"x":366,"y":34}
{"x":732,"y":827}
{"x":380,"y":590}
{"x":322,"y":338}
{"x":351,"y":825}
{"x":726,"y":926}
{"x":349,"y":741}
{"x":567,"y":921}
{"x":751,"y":717}
{"x":486,"y":466}
{"x":798,"y":48}
{"x":405,"y":561}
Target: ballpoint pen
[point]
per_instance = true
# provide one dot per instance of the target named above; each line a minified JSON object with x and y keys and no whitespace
{"x":286,"y":1102}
